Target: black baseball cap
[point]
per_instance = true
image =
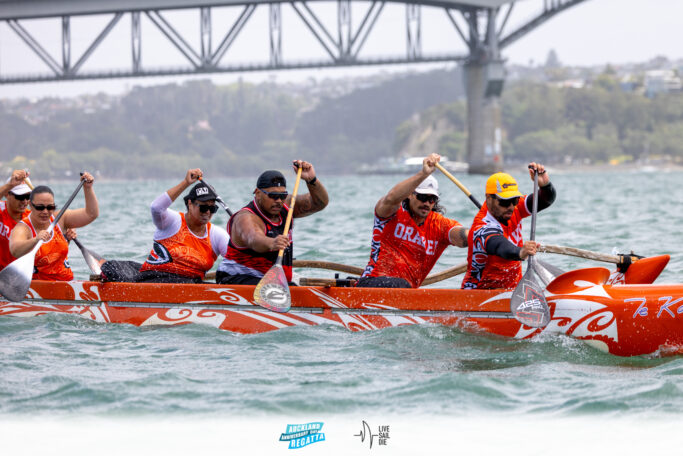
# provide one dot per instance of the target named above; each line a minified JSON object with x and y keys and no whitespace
{"x":271,"y":178}
{"x":200,"y":192}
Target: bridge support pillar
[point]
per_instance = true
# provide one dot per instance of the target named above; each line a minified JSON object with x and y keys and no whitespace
{"x":483,"y":85}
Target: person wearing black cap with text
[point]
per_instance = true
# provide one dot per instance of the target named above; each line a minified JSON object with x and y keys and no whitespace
{"x":257,"y":230}
{"x":185,"y":245}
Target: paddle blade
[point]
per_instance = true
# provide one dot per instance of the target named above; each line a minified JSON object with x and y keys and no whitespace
{"x":272,"y":292}
{"x":528,"y":304}
{"x":15,"y":279}
{"x":91,"y":258}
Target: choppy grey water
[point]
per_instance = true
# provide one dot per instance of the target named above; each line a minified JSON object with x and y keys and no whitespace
{"x":65,"y":366}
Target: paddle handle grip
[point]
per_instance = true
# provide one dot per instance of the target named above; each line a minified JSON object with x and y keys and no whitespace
{"x":290,"y":213}
{"x":460,"y":186}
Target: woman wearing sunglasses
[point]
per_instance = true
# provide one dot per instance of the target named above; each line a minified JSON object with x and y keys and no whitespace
{"x":410,"y":233}
{"x":12,"y":210}
{"x":51,"y":262}
{"x":185,"y":244}
{"x":496,"y":247}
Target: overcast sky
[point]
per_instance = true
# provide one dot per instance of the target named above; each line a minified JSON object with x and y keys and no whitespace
{"x":595,"y":32}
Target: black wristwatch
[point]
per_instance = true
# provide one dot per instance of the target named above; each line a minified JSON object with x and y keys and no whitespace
{"x":312,"y":181}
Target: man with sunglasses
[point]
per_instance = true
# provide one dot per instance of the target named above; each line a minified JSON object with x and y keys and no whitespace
{"x":12,"y":210}
{"x":496,"y":247}
{"x":410,"y":233}
{"x":257,"y":230}
{"x":186,"y":245}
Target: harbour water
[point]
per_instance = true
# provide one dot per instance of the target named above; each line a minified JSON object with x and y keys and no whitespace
{"x":67,"y":374}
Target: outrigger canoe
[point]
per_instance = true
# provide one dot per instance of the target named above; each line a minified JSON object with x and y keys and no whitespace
{"x":620,"y":313}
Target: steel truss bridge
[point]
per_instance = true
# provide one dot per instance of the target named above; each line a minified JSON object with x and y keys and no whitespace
{"x":480,"y":24}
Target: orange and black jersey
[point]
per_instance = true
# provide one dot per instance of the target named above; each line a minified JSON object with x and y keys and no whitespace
{"x":243,"y":260}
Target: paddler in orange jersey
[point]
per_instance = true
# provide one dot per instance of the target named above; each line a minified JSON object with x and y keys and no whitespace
{"x":410,"y":233}
{"x":496,"y":247}
{"x":12,"y":210}
{"x":51,"y":262}
{"x":186,"y":245}
{"x":257,"y":230}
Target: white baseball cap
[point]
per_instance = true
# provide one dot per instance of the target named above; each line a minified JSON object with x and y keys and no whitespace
{"x":429,"y":186}
{"x":20,"y":189}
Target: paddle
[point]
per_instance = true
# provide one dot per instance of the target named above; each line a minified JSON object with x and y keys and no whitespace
{"x":92,"y":259}
{"x":527,"y":303}
{"x":272,"y":292}
{"x":457,"y":182}
{"x":15,"y":279}
{"x":219,"y":200}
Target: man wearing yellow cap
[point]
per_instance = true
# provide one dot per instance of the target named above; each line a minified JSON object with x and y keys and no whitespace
{"x":495,"y":244}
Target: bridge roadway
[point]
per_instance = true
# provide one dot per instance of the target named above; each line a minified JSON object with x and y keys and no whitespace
{"x":26,"y":9}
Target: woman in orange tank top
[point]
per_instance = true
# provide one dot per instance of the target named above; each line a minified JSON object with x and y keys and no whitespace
{"x":51,"y":262}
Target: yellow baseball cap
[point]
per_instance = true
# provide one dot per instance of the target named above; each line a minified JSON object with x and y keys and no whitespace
{"x":503,"y":186}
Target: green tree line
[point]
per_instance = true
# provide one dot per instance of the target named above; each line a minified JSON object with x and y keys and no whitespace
{"x":595,"y":124}
{"x":238,"y":129}
{"x":241,"y":129}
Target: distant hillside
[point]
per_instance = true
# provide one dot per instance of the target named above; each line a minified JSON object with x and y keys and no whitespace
{"x":596,"y":124}
{"x":235,"y":130}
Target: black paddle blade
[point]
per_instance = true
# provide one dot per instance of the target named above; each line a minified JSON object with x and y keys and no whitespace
{"x":272,"y":292}
{"x":528,"y":304}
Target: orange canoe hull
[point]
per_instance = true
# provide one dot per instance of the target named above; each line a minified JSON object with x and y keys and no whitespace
{"x":624,"y":320}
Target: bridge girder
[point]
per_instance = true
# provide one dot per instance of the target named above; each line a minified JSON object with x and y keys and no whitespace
{"x":26,"y":9}
{"x":342,"y":47}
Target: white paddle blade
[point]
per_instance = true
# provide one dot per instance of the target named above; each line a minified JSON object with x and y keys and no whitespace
{"x":272,"y":292}
{"x":15,"y":279}
{"x":528,"y":304}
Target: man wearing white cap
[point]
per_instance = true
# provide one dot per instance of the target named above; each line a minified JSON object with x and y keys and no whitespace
{"x":410,"y":233}
{"x":12,"y":210}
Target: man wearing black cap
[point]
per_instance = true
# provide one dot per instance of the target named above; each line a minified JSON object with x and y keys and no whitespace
{"x":12,"y":211}
{"x":257,"y":230}
{"x":185,"y":244}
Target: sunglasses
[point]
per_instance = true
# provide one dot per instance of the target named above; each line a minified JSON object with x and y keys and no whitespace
{"x":207,"y":207}
{"x":507,"y":202}
{"x":42,"y":207}
{"x":24,"y":197}
{"x":276,"y":195}
{"x":426,"y":198}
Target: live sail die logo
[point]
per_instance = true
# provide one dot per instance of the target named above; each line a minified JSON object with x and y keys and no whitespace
{"x":301,"y":435}
{"x":366,"y":434}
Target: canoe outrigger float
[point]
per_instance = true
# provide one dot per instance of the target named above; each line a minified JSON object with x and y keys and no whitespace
{"x":620,"y":313}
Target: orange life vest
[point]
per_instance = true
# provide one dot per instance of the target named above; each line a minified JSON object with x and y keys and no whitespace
{"x":52,"y":262}
{"x":183,"y":253}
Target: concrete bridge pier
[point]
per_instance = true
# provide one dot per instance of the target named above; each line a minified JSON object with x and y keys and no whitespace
{"x":483,"y":85}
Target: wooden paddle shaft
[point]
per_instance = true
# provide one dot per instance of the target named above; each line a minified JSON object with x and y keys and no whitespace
{"x":571,"y":251}
{"x":460,"y":186}
{"x":290,"y":213}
